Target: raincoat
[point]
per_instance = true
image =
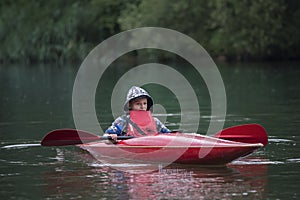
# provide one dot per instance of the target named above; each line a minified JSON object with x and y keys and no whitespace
{"x":137,"y":123}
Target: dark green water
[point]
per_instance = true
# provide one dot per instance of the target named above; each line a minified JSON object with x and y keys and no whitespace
{"x":37,"y":99}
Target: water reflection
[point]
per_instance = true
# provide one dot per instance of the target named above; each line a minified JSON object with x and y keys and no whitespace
{"x":247,"y":180}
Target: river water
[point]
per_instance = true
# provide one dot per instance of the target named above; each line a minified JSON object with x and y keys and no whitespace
{"x":37,"y":99}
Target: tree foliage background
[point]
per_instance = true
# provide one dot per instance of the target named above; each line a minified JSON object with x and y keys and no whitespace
{"x":64,"y":31}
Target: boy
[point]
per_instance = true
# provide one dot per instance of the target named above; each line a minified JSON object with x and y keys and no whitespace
{"x":137,"y":120}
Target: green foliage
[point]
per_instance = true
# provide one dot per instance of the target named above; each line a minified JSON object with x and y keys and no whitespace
{"x":237,"y":29}
{"x":64,"y":31}
{"x":247,"y":28}
{"x":55,"y":30}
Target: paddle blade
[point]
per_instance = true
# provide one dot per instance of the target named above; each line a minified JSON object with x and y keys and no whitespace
{"x":247,"y":133}
{"x":63,"y":137}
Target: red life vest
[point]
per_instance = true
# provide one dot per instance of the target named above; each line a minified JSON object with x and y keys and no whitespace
{"x":145,"y":122}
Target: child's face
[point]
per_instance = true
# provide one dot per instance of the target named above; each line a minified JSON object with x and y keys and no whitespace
{"x":139,"y":104}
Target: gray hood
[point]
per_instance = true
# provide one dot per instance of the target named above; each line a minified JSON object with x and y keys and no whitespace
{"x":136,"y":92}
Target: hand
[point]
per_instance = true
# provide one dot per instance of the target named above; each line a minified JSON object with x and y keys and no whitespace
{"x":113,"y":136}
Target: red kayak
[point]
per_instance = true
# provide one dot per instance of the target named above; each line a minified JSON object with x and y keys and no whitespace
{"x":177,"y":148}
{"x":225,"y":146}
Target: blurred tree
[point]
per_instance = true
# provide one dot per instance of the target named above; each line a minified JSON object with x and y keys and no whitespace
{"x":237,"y":29}
{"x":246,"y":28}
{"x":55,"y":30}
{"x":61,"y":31}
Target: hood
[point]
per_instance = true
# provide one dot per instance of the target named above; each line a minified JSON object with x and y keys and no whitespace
{"x":136,"y":92}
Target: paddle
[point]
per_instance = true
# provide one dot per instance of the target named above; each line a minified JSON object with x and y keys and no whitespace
{"x":63,"y":137}
{"x":247,"y":133}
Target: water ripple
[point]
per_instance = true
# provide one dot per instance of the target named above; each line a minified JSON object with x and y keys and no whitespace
{"x":20,"y":146}
{"x":294,"y":160}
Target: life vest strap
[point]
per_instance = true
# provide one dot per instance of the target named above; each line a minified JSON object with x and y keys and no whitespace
{"x":135,"y":126}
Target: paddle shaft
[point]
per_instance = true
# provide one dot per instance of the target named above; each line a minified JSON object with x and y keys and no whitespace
{"x":248,"y":133}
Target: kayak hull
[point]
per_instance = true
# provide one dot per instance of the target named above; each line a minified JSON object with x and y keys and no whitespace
{"x":173,"y":148}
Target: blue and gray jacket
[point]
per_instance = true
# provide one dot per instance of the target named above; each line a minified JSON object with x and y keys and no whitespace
{"x":120,"y":125}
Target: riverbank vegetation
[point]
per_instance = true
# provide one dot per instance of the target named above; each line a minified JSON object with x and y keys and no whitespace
{"x":65,"y":31}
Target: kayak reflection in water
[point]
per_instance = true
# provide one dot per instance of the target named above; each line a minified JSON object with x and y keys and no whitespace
{"x":137,"y":120}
